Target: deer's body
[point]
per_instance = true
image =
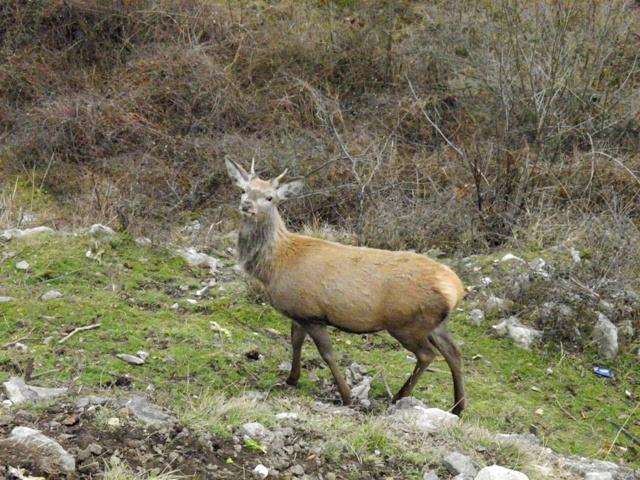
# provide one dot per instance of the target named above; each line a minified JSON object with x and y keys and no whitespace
{"x":356,"y":289}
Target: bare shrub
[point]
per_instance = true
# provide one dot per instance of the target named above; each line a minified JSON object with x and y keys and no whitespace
{"x":79,"y":128}
{"x":416,"y":124}
{"x":181,"y":90}
{"x":551,"y":74}
{"x":522,"y":87}
{"x":83,"y":32}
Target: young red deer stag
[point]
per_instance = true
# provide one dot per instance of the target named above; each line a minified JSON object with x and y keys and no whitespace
{"x":317,"y":283}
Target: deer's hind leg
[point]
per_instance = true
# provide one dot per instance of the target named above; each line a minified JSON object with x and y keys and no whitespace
{"x":443,"y":341}
{"x":424,"y":351}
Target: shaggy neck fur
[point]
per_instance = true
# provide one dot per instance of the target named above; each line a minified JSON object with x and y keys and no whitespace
{"x":256,"y":245}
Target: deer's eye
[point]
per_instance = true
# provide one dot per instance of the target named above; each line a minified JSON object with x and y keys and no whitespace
{"x":269,"y":198}
{"x":244,"y":190}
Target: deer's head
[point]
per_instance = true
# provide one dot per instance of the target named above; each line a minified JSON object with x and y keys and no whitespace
{"x":260,"y":197}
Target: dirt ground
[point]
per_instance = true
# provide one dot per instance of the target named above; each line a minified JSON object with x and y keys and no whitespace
{"x":177,"y":449}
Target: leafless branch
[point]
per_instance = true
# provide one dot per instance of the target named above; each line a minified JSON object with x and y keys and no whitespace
{"x":80,"y":329}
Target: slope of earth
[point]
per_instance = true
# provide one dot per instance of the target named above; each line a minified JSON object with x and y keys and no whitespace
{"x":217,"y":359}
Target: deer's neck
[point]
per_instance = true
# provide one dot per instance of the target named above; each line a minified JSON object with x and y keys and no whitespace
{"x":257,"y":243}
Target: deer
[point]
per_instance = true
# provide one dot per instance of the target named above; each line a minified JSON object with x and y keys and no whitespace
{"x":318,"y":283}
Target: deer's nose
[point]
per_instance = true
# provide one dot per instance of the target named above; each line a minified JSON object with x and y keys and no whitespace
{"x":245,"y":206}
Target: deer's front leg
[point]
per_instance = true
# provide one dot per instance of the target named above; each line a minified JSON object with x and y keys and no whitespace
{"x":298,"y":334}
{"x":323,"y":342}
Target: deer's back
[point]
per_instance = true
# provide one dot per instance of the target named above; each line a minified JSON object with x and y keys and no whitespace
{"x":355,"y":288}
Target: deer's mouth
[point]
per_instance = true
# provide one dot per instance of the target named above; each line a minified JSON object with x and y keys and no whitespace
{"x":247,"y":212}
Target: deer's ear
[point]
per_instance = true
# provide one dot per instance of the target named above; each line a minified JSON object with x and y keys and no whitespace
{"x":238,"y":174}
{"x":289,"y":190}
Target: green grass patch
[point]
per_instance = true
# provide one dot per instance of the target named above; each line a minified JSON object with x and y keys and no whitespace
{"x":143,"y":297}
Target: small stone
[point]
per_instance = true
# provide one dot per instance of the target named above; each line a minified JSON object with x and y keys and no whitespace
{"x":412,"y":411}
{"x":82,"y":456}
{"x":496,"y":472}
{"x":288,"y":416}
{"x":100,"y":230}
{"x":51,"y":295}
{"x":296,"y":470}
{"x":132,"y":359}
{"x":476,"y":317}
{"x":95,"y":449}
{"x":38,"y":446}
{"x":521,"y":335}
{"x":21,"y":347}
{"x":196,"y":259}
{"x":5,"y":299}
{"x":260,"y":471}
{"x":18,"y":391}
{"x":91,"y":401}
{"x":495,"y":304}
{"x":27,"y":232}
{"x":541,"y":267}
{"x":510,"y":257}
{"x":23,"y":265}
{"x":286,"y":366}
{"x":459,"y":464}
{"x":142,"y":355}
{"x":203,"y":292}
{"x":605,"y":334}
{"x":169,"y":359}
{"x":256,"y":431}
{"x":145,"y":411}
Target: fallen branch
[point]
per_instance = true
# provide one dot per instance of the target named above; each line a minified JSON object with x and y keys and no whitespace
{"x":386,"y":385}
{"x":11,"y":344}
{"x":125,"y":378}
{"x":563,"y":410}
{"x":80,"y":329}
{"x":43,"y":374}
{"x":625,"y":432}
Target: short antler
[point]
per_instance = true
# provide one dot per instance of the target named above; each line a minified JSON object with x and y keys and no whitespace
{"x":280,"y":177}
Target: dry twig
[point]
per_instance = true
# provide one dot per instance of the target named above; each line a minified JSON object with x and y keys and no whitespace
{"x":12,"y":343}
{"x":80,"y":329}
{"x":563,"y":409}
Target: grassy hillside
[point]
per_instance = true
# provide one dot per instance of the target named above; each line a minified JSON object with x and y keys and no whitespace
{"x":144,"y":298}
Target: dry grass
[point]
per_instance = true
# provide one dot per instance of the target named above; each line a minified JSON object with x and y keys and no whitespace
{"x":121,"y":471}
